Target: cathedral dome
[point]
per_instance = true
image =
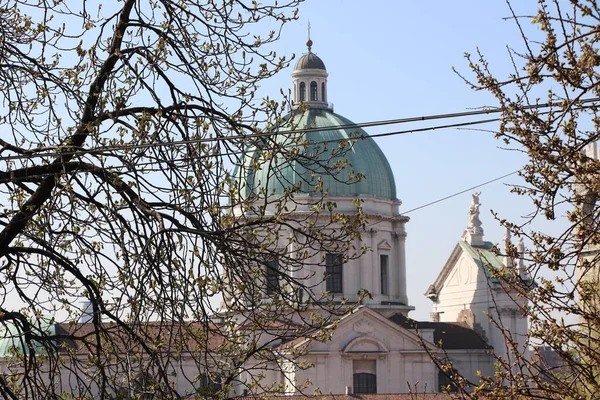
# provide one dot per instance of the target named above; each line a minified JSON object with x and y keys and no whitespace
{"x":271,"y":176}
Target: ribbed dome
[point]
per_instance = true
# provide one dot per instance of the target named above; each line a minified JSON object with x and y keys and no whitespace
{"x":309,"y":61}
{"x":274,"y":175}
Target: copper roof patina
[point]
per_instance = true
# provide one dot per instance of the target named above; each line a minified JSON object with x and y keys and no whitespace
{"x":367,"y":172}
{"x":486,"y":258}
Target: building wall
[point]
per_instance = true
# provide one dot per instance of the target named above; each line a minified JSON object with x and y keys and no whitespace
{"x":400,"y":362}
{"x":467,"y":288}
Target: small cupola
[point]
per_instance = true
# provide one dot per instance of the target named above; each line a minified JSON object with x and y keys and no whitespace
{"x":310,"y":80}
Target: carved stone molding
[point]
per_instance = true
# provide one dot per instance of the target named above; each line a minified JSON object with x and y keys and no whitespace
{"x":364,"y":356}
{"x":363,"y":327}
{"x":399,"y":235}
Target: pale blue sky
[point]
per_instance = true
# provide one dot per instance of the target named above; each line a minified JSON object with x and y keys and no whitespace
{"x":394,"y":59}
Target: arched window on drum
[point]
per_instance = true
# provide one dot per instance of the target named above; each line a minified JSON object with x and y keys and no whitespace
{"x":313,"y":91}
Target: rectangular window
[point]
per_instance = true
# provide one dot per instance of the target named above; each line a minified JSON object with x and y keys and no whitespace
{"x":333,"y":272}
{"x":272,"y":275}
{"x":365,"y":383}
{"x":383,"y":267}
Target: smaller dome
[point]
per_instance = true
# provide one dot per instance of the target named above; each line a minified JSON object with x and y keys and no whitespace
{"x":309,"y":61}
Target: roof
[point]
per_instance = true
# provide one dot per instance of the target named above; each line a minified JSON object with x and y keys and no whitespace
{"x":301,"y":343}
{"x":309,"y":61}
{"x":166,"y":335}
{"x":14,"y":336}
{"x":485,"y":257}
{"x":308,"y":160}
{"x":447,"y":335}
{"x":82,"y":338}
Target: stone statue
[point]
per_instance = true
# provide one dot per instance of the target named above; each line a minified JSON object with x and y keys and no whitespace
{"x":474,"y":232}
{"x":474,"y":226}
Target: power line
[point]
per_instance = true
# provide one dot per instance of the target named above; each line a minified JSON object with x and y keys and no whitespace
{"x":459,"y":193}
{"x":224,"y":154}
{"x":99,"y":150}
{"x":385,"y":134}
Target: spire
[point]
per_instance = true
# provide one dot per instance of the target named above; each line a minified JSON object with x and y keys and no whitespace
{"x":474,"y":232}
{"x":309,"y":42}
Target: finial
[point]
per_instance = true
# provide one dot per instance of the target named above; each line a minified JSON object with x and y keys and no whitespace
{"x":309,"y":42}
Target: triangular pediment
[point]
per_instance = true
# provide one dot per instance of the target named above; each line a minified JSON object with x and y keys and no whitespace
{"x":466,"y":265}
{"x":384,"y":245}
{"x":366,"y":331}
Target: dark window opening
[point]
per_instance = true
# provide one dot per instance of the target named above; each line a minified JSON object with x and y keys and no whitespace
{"x":272,"y":275}
{"x":365,"y":383}
{"x":445,"y":383}
{"x":302,"y":91}
{"x":313,"y":91}
{"x":334,"y":272}
{"x":383,"y":265}
{"x":323,"y":91}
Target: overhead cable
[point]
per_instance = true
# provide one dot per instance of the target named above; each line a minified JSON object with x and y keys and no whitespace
{"x":102,"y":149}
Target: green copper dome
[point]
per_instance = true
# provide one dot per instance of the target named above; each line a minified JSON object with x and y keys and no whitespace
{"x":267,"y":174}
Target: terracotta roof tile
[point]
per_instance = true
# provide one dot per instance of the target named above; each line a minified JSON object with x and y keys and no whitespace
{"x":162,"y":336}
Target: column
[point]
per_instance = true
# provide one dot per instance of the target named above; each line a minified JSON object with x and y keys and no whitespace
{"x":401,"y":266}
